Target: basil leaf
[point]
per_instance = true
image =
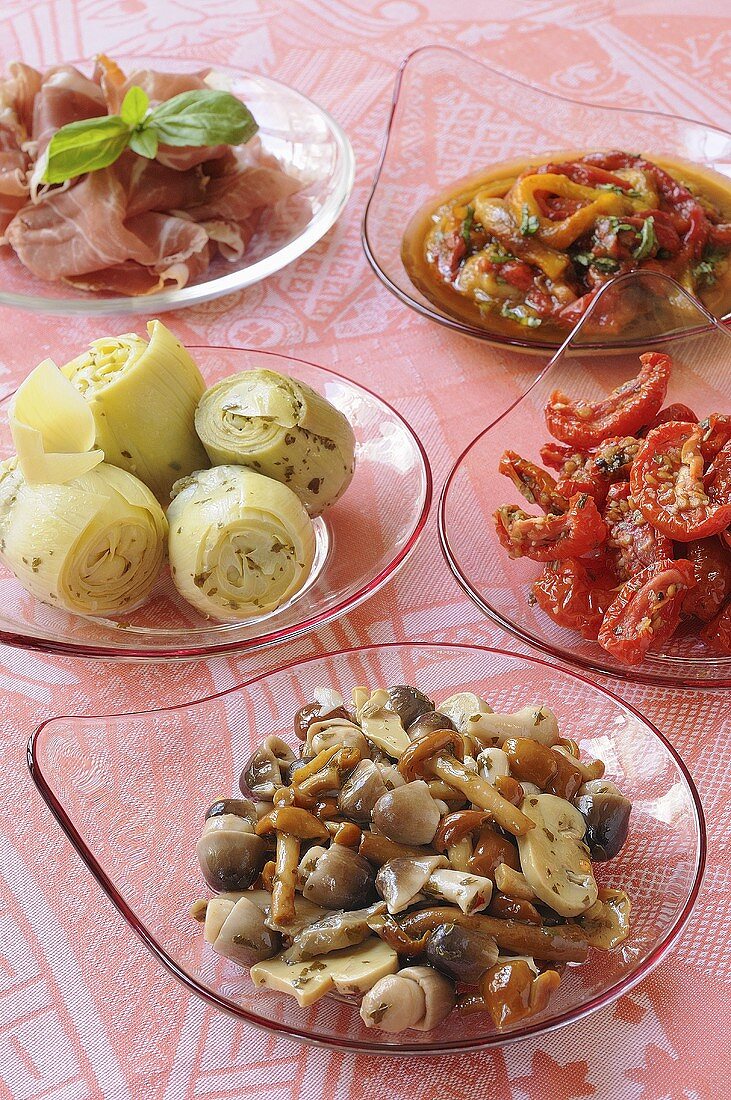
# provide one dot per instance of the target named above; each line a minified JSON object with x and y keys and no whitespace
{"x":144,"y":142}
{"x":629,"y":192}
{"x":520,"y":313}
{"x":606,"y":263}
{"x":203,"y":117}
{"x":467,"y":225}
{"x":85,"y":146}
{"x":648,"y":240}
{"x":529,"y":223}
{"x":584,"y":258}
{"x":135,"y":106}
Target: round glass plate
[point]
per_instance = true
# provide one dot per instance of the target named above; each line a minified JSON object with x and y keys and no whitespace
{"x":700,"y":348}
{"x":361,"y":541}
{"x":93,"y":771}
{"x":307,"y":142}
{"x":441,"y":100}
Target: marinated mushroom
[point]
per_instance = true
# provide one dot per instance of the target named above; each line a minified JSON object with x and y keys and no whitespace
{"x":380,"y":723}
{"x":340,"y":879}
{"x":554,"y":858}
{"x":510,"y":991}
{"x":379,"y":849}
{"x":338,"y":731}
{"x":563,"y":943}
{"x":402,"y":882}
{"x":455,"y":835}
{"x":606,"y":923}
{"x":266,"y":768}
{"x":429,"y":722}
{"x":408,"y":703}
{"x":408,"y":814}
{"x":229,"y":852}
{"x":361,"y":790}
{"x":244,"y":937}
{"x":333,"y":932}
{"x":291,"y":825}
{"x":466,"y":712}
{"x":606,"y":812}
{"x":442,"y":755}
{"x":491,"y":763}
{"x":463,"y":954}
{"x":330,"y":705}
{"x":352,"y":972}
{"x":418,"y":997}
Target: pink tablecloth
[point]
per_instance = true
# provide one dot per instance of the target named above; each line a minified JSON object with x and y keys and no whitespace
{"x":115,"y":1025}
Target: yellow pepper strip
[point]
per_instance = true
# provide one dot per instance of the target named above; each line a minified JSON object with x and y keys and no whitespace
{"x":563,"y":233}
{"x":497,"y":219}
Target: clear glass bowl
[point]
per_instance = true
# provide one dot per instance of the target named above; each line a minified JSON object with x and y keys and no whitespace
{"x":361,"y":541}
{"x":442,"y":99}
{"x":701,"y":351}
{"x":107,"y":781}
{"x":306,"y":140}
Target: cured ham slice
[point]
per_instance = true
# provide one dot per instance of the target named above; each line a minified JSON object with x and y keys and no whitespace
{"x":138,"y":225}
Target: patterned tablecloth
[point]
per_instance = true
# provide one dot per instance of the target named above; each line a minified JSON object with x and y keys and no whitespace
{"x":117,"y":1026}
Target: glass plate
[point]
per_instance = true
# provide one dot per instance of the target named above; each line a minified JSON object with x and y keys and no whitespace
{"x":361,"y":541}
{"x":441,"y":100}
{"x":701,"y":351}
{"x":299,"y":133}
{"x":106,"y":780}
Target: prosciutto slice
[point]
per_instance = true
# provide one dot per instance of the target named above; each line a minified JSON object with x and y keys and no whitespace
{"x":138,"y":225}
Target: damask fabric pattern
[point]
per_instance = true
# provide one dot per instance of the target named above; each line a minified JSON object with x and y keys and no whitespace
{"x":112,"y":1025}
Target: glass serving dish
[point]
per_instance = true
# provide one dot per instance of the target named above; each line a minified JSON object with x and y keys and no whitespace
{"x":361,"y":541}
{"x":308,"y":142}
{"x":441,"y":100}
{"x":700,"y":348}
{"x":106,"y":780}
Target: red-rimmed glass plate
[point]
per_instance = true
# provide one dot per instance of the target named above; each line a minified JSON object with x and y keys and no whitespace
{"x":454,"y":117}
{"x":306,"y":140}
{"x":108,"y":782}
{"x":700,"y":348}
{"x":361,"y":541}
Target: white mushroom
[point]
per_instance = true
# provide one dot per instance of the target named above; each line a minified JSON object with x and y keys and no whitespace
{"x":536,"y":722}
{"x":408,"y":814}
{"x":467,"y":712}
{"x":553,"y":856}
{"x":403,"y":882}
{"x":243,"y":935}
{"x":334,"y":932}
{"x":513,"y":883}
{"x":418,"y":997}
{"x":335,"y":731}
{"x":491,"y":763}
{"x":381,"y":725}
{"x":469,"y":892}
{"x":360,"y":792}
{"x":351,"y":972}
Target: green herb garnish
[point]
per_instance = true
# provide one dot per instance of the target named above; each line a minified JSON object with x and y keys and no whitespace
{"x":616,"y":225}
{"x":586,"y":259}
{"x":629,"y":192}
{"x":499,"y":255}
{"x":467,"y":223}
{"x":648,"y":240}
{"x":202,"y":117}
{"x":705,"y":271}
{"x":521,"y":314}
{"x":529,"y":223}
{"x":605,"y":263}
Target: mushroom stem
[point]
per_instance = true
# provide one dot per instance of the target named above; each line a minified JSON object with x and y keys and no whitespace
{"x":379,"y":849}
{"x":460,"y":854}
{"x":561,"y":943}
{"x":285,"y":878}
{"x":481,"y":793}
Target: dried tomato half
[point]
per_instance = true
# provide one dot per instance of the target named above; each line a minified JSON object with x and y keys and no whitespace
{"x":632,"y":542}
{"x":611,"y":461}
{"x":717,"y":633}
{"x":550,"y":538}
{"x":575,"y":594}
{"x":712,"y":566}
{"x":716,"y":433}
{"x":535,"y":484}
{"x":646,"y":610}
{"x":667,"y":484}
{"x":717,"y":479}
{"x":627,"y":409}
{"x":676,"y":412}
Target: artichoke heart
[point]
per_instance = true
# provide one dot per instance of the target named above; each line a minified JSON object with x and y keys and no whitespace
{"x":143,"y":398}
{"x":93,"y":545}
{"x":282,"y":428}
{"x":241,"y":544}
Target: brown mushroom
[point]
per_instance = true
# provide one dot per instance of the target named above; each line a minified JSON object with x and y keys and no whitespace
{"x":510,"y":991}
{"x":428,"y":722}
{"x":442,"y":755}
{"x":408,"y":814}
{"x":490,"y":850}
{"x":229,"y":852}
{"x":325,"y":773}
{"x":463,"y":954}
{"x":340,"y":879}
{"x":379,"y":849}
{"x":606,"y":812}
{"x":562,"y":943}
{"x":408,"y":703}
{"x":292,"y":825}
{"x":360,"y":792}
{"x":333,"y":932}
{"x":403,"y":882}
{"x":455,"y":834}
{"x":316,"y":712}
{"x":266,"y":768}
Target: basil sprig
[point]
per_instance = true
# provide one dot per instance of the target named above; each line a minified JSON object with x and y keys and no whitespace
{"x":203,"y":117}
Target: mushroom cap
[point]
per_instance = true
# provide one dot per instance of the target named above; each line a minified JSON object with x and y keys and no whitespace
{"x":360,"y":792}
{"x":334,"y":931}
{"x":393,"y":1004}
{"x":340,"y":879}
{"x":554,"y":858}
{"x":266,"y":768}
{"x":407,"y":814}
{"x":230,"y":859}
{"x":429,"y":722}
{"x":238,"y":807}
{"x":606,"y":812}
{"x":244,"y":937}
{"x":438,"y":995}
{"x":408,"y":703}
{"x":317,"y":712}
{"x":458,"y":825}
{"x":293,"y":821}
{"x":326,"y":732}
{"x":414,"y":762}
{"x":463,"y":954}
{"x":400,"y":881}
